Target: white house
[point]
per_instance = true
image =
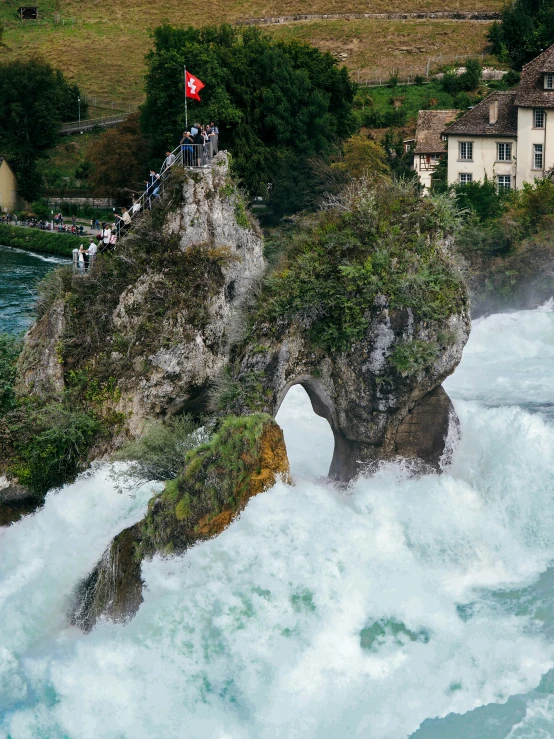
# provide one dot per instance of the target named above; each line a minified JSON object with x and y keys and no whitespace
{"x":430,"y":143}
{"x":509,"y":136}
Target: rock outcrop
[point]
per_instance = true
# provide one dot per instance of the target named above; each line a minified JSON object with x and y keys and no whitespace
{"x":40,"y":370}
{"x":244,"y":458}
{"x":173,"y":369}
{"x":376,"y":410}
{"x":16,"y":501}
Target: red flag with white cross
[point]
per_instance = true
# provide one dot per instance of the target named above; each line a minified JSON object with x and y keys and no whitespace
{"x":192,"y":86}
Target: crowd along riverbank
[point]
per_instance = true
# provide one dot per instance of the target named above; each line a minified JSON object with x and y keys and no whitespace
{"x":44,"y":242}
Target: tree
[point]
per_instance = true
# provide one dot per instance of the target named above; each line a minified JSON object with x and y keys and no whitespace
{"x":400,"y":162}
{"x":277,"y":104}
{"x":467,"y":81}
{"x":363,"y":158}
{"x":526,"y":28}
{"x":34,"y":100}
{"x":485,"y":199}
{"x":119,"y":159}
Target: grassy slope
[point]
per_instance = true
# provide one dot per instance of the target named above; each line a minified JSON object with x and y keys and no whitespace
{"x":102,"y":46}
{"x":412,"y":99}
{"x":377,"y":47}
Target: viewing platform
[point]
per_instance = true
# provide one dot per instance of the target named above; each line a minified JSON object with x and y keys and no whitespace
{"x":185,"y":156}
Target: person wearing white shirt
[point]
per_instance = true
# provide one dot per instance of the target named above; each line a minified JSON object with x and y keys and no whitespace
{"x":106,"y":234}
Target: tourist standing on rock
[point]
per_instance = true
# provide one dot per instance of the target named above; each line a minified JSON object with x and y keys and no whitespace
{"x":169,"y":159}
{"x":83,"y":259}
{"x":106,"y":234}
{"x":199,"y":145}
{"x":187,"y":148}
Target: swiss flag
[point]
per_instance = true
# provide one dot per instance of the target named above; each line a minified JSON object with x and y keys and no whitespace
{"x":192,"y":86}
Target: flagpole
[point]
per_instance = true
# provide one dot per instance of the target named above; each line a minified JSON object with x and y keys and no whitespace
{"x":186,"y":109}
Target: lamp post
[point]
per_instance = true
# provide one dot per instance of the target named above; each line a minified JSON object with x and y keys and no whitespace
{"x":79,"y":104}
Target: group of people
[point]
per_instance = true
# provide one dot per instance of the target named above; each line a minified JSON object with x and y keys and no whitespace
{"x":199,"y":144}
{"x":86,"y":256}
{"x":55,"y":225}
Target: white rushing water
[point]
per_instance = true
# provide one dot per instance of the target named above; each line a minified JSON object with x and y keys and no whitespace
{"x":399,"y":608}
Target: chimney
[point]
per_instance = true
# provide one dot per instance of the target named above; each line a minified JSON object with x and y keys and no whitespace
{"x":493,"y":112}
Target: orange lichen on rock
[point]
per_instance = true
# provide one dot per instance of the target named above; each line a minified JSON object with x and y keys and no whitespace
{"x":271,"y":464}
{"x":273,"y":460}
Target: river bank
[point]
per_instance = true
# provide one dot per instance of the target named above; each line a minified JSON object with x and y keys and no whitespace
{"x":44,"y":242}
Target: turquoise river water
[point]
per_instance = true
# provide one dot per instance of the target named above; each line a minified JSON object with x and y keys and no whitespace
{"x":398,"y":608}
{"x":19,"y":272}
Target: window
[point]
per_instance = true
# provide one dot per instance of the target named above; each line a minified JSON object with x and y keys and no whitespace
{"x":537,"y":156}
{"x":466,"y":149}
{"x":465,"y":178}
{"x":435,"y":158}
{"x":549,"y":81}
{"x":539,"y":119}
{"x":504,"y":152}
{"x":504,"y":182}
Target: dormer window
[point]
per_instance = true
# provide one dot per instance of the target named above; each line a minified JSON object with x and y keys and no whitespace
{"x":549,"y":81}
{"x":538,"y":118}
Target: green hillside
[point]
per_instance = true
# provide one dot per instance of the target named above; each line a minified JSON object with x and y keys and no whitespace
{"x":101,"y":46}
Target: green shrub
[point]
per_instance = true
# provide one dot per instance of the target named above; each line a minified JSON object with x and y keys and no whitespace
{"x":160,"y":452}
{"x":51,"y":444}
{"x":370,"y":242}
{"x":10,"y":347}
{"x":412,"y":357}
{"x":54,"y":285}
{"x":34,"y":239}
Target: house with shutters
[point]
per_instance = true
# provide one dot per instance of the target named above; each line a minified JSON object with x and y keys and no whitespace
{"x":509,"y":136}
{"x":9,"y":199}
{"x":429,"y":145}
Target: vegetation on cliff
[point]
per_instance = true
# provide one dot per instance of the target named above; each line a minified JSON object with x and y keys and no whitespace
{"x":246,"y":456}
{"x":507,"y":243}
{"x":243,"y":458}
{"x":10,"y":348}
{"x":369,"y":241}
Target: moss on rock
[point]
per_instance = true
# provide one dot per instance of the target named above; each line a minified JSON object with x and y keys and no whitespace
{"x":244,"y":458}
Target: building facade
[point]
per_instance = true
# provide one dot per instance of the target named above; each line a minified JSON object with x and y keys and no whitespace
{"x":429,"y":146}
{"x":9,"y":200}
{"x":508,"y":137}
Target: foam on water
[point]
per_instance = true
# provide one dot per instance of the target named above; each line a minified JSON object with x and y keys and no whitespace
{"x":319,"y":613}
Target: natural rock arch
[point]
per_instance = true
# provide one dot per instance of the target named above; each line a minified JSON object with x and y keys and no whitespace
{"x":376,"y":412}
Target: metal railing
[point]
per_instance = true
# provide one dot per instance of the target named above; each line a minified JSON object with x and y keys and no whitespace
{"x":106,"y":122}
{"x":82,"y":265}
{"x":188,"y":156}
